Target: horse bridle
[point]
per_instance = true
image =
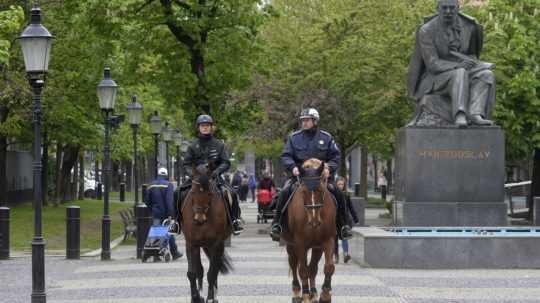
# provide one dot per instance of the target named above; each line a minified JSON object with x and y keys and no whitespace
{"x":314,"y":205}
{"x":202,"y":209}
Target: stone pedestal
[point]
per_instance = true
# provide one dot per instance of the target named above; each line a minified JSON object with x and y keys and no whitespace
{"x":450,"y":177}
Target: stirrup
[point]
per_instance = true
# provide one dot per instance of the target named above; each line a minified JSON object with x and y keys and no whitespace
{"x":275,"y":232}
{"x":237,"y":227}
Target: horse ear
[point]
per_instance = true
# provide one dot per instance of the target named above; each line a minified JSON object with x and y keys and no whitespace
{"x":320,"y":169}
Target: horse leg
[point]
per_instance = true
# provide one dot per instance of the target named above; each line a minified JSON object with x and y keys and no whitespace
{"x":326,"y":296}
{"x":215,"y":255}
{"x":194,"y":264}
{"x":293,"y":265}
{"x":316,"y":255}
{"x":300,"y":253}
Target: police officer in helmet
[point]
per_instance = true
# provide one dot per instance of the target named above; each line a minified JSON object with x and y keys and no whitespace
{"x":310,"y":142}
{"x":204,"y":150}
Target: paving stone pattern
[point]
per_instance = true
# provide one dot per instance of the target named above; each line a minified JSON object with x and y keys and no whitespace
{"x":261,"y":275}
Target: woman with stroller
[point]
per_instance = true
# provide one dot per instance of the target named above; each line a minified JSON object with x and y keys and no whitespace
{"x":349,"y":209}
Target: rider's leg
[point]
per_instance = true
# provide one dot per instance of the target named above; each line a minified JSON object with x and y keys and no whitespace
{"x":281,"y":200}
{"x":233,"y":209}
{"x":235,"y":215}
{"x":343,"y":228}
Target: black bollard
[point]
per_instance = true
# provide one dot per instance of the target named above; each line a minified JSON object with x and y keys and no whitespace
{"x":144,"y":221}
{"x":357,"y":189}
{"x":122,"y":192}
{"x":4,"y":233}
{"x":73,"y":232}
{"x":99,"y":191}
{"x":144,"y":188}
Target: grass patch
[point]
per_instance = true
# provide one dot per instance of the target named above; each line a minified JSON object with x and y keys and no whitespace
{"x":376,"y":203}
{"x":54,"y":225}
{"x":129,"y":196}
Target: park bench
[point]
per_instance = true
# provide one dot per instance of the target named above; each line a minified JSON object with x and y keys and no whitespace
{"x":130,"y":222}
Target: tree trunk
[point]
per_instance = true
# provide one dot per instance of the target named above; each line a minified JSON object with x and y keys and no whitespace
{"x":115,"y":176}
{"x":363,"y":172}
{"x":128,"y":170}
{"x":535,"y":186}
{"x":376,"y":172}
{"x":71,"y":153}
{"x":74,"y":180}
{"x":81,"y":176}
{"x":45,"y":169}
{"x":389,"y":175}
{"x":3,"y":159}
{"x":58,"y":173}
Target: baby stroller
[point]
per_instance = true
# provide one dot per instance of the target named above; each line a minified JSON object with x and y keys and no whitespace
{"x":264,"y":203}
{"x":157,"y":242}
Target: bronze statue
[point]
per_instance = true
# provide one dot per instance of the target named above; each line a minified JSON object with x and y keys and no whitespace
{"x":446,"y":78}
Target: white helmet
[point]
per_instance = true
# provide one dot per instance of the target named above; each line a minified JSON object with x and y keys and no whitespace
{"x":310,"y":113}
{"x":162,"y":171}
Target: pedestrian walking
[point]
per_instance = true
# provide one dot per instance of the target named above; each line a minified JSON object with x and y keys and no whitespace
{"x":383,"y":184}
{"x":159,"y":198}
{"x":252,"y":185}
{"x":351,"y":212}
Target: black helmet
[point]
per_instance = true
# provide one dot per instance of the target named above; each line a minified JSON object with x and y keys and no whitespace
{"x":204,"y":119}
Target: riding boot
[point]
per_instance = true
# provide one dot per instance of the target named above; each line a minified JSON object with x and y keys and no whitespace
{"x":275,"y":233}
{"x":235,"y":216}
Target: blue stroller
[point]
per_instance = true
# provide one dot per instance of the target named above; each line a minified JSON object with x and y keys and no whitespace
{"x":157,"y":242}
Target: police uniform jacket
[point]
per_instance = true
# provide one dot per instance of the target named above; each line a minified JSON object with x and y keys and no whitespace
{"x":159,"y":197}
{"x":305,"y":144}
{"x":207,"y":151}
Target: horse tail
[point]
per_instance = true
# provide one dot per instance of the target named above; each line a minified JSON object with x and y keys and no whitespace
{"x":225,"y":264}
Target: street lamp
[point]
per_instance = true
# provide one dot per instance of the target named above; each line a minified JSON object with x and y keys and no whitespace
{"x":36,"y":44}
{"x":178,"y":142}
{"x":155,"y":128}
{"x":106,"y":91}
{"x":135,"y":118}
{"x":167,"y":137}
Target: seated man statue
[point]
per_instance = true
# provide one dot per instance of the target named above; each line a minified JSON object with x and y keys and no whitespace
{"x":446,"y":76}
{"x":205,"y":150}
{"x":310,"y":142}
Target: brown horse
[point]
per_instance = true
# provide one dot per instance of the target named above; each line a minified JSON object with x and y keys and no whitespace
{"x":205,"y":224}
{"x":311,"y":225}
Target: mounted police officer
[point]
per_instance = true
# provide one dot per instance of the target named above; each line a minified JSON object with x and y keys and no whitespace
{"x":310,"y":142}
{"x":205,"y":150}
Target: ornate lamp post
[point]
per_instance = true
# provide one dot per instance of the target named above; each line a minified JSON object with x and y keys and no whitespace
{"x":155,"y":128}
{"x":167,"y":137}
{"x":36,"y":43}
{"x":135,"y":118}
{"x":106,"y":92}
{"x":178,"y":142}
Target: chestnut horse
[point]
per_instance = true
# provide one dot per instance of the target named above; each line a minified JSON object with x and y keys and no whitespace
{"x":311,"y":225}
{"x":205,"y":224}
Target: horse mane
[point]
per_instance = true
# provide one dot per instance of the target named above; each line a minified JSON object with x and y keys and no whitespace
{"x":200,"y":174}
{"x":312,"y":163}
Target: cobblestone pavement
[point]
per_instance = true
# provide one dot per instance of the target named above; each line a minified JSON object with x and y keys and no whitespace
{"x":261,"y":275}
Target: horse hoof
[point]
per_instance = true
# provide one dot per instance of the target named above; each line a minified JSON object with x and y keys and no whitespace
{"x":297,"y":300}
{"x":212,"y":301}
{"x":197,"y":300}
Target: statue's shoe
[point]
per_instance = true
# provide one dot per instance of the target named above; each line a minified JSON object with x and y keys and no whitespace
{"x":479,"y":120}
{"x":461,"y":120}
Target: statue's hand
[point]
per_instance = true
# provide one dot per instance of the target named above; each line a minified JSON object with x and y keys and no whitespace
{"x":467,"y":64}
